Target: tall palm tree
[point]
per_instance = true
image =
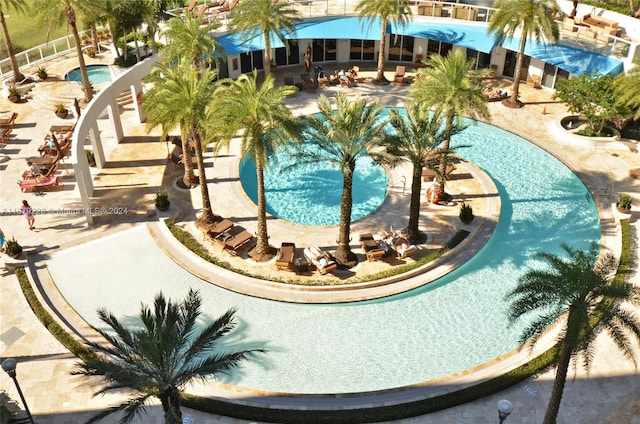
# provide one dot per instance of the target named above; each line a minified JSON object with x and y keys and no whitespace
{"x":526,"y":18}
{"x":179,"y":98}
{"x":152,"y":12}
{"x":56,"y":13}
{"x":448,"y":84}
{"x":190,"y":38}
{"x":573,"y":288}
{"x":389,"y":11}
{"x":259,"y":113}
{"x":627,"y":88}
{"x":419,"y":136}
{"x":267,"y":17}
{"x":19,"y":6}
{"x":355,"y":129}
{"x":161,"y":357}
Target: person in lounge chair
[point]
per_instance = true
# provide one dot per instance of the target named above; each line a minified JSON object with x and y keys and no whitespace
{"x":32,"y":170}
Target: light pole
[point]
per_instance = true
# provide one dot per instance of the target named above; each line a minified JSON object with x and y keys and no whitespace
{"x":9,"y":366}
{"x":504,"y":409}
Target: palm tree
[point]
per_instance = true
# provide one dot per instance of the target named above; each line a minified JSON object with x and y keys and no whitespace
{"x":18,"y":5}
{"x":419,"y":135}
{"x":527,"y":18}
{"x":57,"y":13}
{"x":389,"y":11}
{"x":163,"y":355}
{"x":261,"y":116}
{"x":448,"y":84}
{"x":152,"y":12}
{"x":354,"y":130}
{"x":267,"y":17}
{"x":627,"y":88}
{"x":574,"y":288}
{"x":191,"y":38}
{"x":179,"y":98}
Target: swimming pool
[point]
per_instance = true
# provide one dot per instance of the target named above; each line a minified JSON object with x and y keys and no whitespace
{"x":97,"y":74}
{"x":310,"y":194}
{"x":448,"y":326}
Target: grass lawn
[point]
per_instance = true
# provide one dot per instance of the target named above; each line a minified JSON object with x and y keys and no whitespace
{"x":25,"y":32}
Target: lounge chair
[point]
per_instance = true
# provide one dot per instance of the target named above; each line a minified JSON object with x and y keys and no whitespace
{"x":405,"y":250}
{"x":233,"y":244}
{"x":8,"y":122}
{"x":321,"y":260}
{"x":286,"y":256}
{"x":533,"y":81}
{"x":399,"y":76}
{"x":308,"y":84}
{"x":372,"y":248}
{"x":41,"y":182}
{"x":214,"y":230}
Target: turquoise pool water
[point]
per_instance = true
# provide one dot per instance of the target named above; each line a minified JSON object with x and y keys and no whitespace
{"x":451,"y":325}
{"x":310,"y":194}
{"x":97,"y":74}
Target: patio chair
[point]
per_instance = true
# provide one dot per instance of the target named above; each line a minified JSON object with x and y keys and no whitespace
{"x":214,"y":230}
{"x":321,"y":260}
{"x":286,"y":256}
{"x":40,"y":182}
{"x":234,"y":244}
{"x":405,"y":250}
{"x":399,"y":76}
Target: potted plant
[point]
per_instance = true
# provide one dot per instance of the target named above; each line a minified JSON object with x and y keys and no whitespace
{"x":61,"y":110}
{"x":91,"y":52}
{"x":162,"y":200}
{"x":14,"y":94}
{"x":624,"y":203}
{"x":13,"y":248}
{"x":466,"y":213}
{"x":91,"y":158}
{"x":42,"y":74}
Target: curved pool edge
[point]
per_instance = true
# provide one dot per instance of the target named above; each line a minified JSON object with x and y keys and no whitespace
{"x":480,"y":229}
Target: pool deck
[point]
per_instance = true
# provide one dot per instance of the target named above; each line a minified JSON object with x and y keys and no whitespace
{"x":138,"y":167}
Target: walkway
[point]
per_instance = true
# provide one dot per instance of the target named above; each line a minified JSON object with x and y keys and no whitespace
{"x":609,"y":395}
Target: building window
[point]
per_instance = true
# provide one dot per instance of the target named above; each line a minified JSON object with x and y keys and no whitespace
{"x":480,"y":59}
{"x":251,"y":60}
{"x":293,"y":58}
{"x":324,"y":50}
{"x":362,"y":50}
{"x":401,"y":48}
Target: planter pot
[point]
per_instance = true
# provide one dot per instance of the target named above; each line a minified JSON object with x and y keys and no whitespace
{"x":62,"y":114}
{"x":163,"y":207}
{"x":14,"y":99}
{"x":467,"y":220}
{"x":623,"y":210}
{"x":16,"y":255}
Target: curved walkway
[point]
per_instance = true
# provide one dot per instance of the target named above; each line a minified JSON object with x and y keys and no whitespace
{"x":43,"y":367}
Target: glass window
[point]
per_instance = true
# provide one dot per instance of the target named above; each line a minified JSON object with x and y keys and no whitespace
{"x":368,"y":50}
{"x":245,"y":63}
{"x":407,"y":49}
{"x":281,"y":56}
{"x":433,"y":47}
{"x":549,"y":74}
{"x":355,"y":52}
{"x":330,"y":49}
{"x":317,"y":54}
{"x":294,"y":53}
{"x":394,"y":48}
{"x":258,"y":60}
{"x":445,"y":48}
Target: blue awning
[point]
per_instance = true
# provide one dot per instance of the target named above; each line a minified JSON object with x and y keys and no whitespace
{"x":470,"y":36}
{"x":570,"y":59}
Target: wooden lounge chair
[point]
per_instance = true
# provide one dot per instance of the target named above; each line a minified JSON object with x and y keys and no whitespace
{"x":399,"y":76}
{"x":405,"y":250}
{"x":321,"y":260}
{"x":372,"y":248}
{"x":214,"y":230}
{"x":308,"y":84}
{"x":40,"y":182}
{"x":533,"y":81}
{"x":235,"y":243}
{"x":286,"y":256}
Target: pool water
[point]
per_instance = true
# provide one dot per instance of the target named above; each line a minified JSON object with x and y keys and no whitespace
{"x":451,"y":325}
{"x":97,"y":74}
{"x":310,"y":194}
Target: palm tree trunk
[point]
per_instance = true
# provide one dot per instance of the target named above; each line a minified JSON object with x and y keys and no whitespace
{"x":516,"y":79}
{"x":414,"y":207}
{"x":448,"y":126}
{"x":207,"y":214}
{"x":151,"y":34}
{"x":170,"y":400}
{"x":262,"y":247}
{"x":380,"y":76}
{"x":86,"y":84}
{"x":189,"y":178}
{"x":343,"y":253}
{"x":94,"y":37}
{"x":267,"y":55}
{"x":558,"y":384}
{"x":17,"y":76}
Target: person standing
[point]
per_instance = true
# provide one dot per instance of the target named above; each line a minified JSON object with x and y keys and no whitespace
{"x":2,"y":239}
{"x":27,"y":211}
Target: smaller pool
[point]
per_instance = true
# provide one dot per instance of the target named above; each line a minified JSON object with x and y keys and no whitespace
{"x":97,"y":74}
{"x":310,"y":194}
